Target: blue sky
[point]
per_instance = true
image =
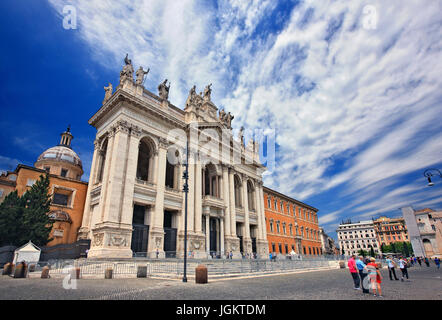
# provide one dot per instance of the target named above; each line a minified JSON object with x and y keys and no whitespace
{"x":351,"y":88}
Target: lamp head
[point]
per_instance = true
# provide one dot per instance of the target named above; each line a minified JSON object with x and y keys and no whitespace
{"x":430,"y":183}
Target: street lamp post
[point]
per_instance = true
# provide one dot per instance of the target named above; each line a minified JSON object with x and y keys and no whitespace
{"x":431,"y":172}
{"x":186,"y":192}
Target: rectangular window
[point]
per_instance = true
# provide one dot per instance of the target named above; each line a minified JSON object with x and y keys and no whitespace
{"x":64,"y":172}
{"x":268,"y":203}
{"x":60,"y":199}
{"x":276,"y":205}
{"x":271,"y":226}
{"x":30,"y":182}
{"x":1,"y":192}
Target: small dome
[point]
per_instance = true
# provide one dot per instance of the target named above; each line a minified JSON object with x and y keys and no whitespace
{"x":61,"y":153}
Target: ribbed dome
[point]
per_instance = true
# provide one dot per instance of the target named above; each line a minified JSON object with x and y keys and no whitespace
{"x":61,"y":153}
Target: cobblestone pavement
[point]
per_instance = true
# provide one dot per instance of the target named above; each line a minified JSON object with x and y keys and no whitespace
{"x":425,"y":283}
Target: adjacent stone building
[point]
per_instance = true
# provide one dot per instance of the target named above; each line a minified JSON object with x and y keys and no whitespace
{"x":328,"y":246}
{"x":425,"y":228}
{"x":135,"y":201}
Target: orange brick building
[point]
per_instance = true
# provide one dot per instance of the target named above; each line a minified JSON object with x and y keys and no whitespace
{"x":390,"y":230}
{"x":291,"y":225}
{"x":67,"y":191}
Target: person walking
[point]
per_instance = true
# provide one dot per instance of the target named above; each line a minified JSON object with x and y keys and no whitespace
{"x":354,"y":272}
{"x":391,"y":265}
{"x":403,"y":267}
{"x":375,"y":277}
{"x":419,"y":260}
{"x":427,"y":262}
{"x":361,"y":266}
{"x":437,"y":262}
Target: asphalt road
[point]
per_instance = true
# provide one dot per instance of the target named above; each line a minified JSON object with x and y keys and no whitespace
{"x":424,"y":284}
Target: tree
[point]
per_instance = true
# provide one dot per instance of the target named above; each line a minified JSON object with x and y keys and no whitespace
{"x":36,"y":222}
{"x":372,"y":253}
{"x":405,"y":249}
{"x":11,"y":219}
{"x":393,"y":247}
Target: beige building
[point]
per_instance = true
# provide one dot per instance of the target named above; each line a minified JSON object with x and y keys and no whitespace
{"x":429,"y":223}
{"x":353,"y":237}
{"x":135,"y":202}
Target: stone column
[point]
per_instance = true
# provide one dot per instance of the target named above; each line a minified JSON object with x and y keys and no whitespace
{"x":156,"y":232}
{"x":111,"y":238}
{"x":263,"y":229}
{"x":246,"y":208}
{"x":84,"y":232}
{"x":258,"y":206}
{"x":232,"y":208}
{"x":208,"y":234}
{"x":198,"y":197}
{"x":126,"y":214}
{"x":221,"y":232}
{"x":247,"y":239}
{"x":226,"y":197}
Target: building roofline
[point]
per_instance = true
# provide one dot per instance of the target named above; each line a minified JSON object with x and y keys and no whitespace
{"x":289,"y":198}
{"x":23,"y":166}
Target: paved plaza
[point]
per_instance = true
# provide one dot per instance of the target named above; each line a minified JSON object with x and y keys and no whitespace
{"x":425,"y":283}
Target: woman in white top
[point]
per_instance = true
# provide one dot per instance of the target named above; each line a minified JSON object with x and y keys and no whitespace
{"x":403,"y":267}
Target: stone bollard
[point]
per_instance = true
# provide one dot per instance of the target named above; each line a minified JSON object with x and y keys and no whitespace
{"x":45,"y":272}
{"x":342,"y":264}
{"x":75,"y":273}
{"x":201,"y":274}
{"x":108,"y":273}
{"x":20,"y":270}
{"x":142,"y":272}
{"x":7,"y":269}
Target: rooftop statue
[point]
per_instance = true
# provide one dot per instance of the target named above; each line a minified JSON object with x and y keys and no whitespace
{"x":192,"y":96}
{"x":163,"y":90}
{"x":241,"y":136}
{"x":140,"y":75}
{"x":207,"y":92}
{"x":128,"y":70}
{"x":108,"y":92}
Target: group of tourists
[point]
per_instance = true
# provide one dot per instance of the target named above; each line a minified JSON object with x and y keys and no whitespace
{"x":415,"y":260}
{"x":366,"y":274}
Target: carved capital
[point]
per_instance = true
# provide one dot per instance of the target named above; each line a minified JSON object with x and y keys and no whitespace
{"x":135,"y":131}
{"x":163,"y":143}
{"x":122,"y":126}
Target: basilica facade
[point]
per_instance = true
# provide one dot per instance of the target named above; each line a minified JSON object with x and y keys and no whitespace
{"x":135,"y":203}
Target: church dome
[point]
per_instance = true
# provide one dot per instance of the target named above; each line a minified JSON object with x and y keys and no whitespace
{"x":61,"y":153}
{"x":61,"y":160}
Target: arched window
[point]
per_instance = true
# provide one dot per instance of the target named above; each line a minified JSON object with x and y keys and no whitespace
{"x":251,"y":195}
{"x":102,"y":161}
{"x":237,"y":182}
{"x":145,"y":160}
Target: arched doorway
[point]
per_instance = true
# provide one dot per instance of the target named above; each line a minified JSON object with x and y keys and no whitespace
{"x":428,"y":247}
